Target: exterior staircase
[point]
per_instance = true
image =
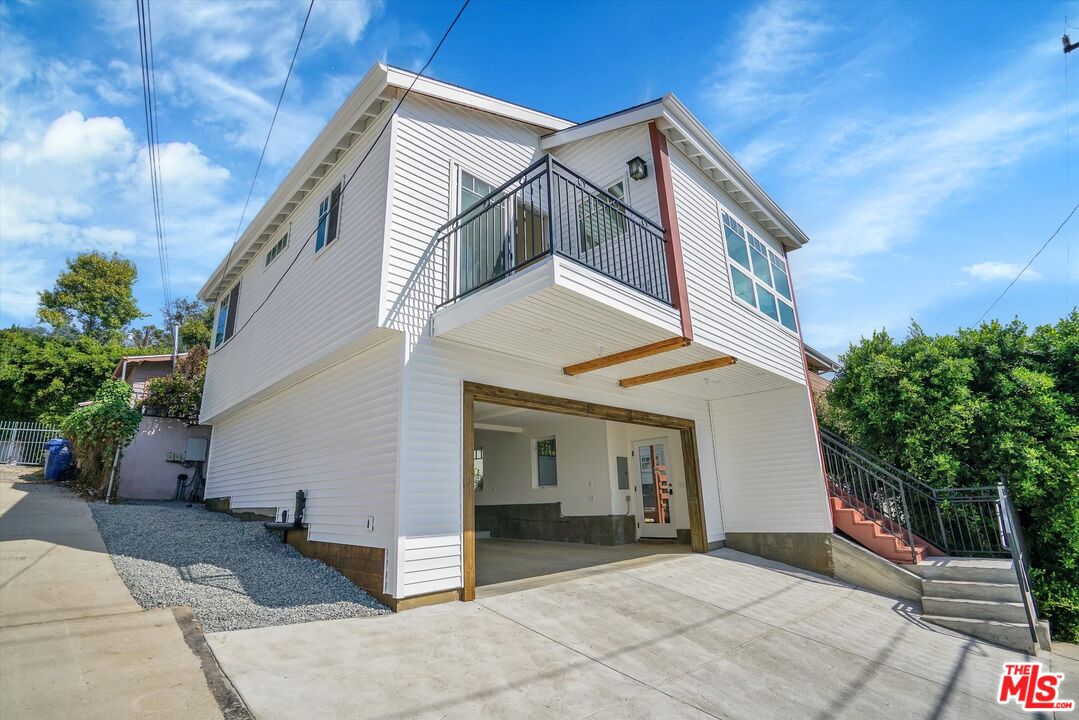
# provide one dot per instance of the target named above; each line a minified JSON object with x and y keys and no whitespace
{"x":873,"y":532}
{"x":964,"y":543}
{"x":979,"y":597}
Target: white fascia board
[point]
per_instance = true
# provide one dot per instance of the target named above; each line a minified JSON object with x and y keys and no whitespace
{"x":641,"y":113}
{"x":473,"y":100}
{"x":691,"y":128}
{"x":369,"y":89}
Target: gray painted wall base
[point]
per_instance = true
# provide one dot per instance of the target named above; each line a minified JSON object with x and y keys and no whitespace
{"x":809,"y":551}
{"x":858,"y":566}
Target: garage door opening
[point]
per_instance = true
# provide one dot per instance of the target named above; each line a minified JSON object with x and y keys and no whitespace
{"x":553,"y":486}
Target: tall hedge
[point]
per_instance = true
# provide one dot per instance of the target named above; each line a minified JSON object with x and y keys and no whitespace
{"x":991,"y":402}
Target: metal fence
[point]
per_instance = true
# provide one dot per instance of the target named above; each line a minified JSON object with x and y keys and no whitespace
{"x":23,"y":443}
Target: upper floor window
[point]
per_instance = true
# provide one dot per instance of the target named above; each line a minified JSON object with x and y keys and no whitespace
{"x":226,"y":316}
{"x":277,"y":249}
{"x":599,"y":220}
{"x":759,"y":276}
{"x":329,"y":212}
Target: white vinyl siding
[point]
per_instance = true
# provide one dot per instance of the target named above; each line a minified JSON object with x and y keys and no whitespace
{"x":292,"y":332}
{"x":333,"y":435}
{"x":434,"y":141}
{"x":769,"y":463}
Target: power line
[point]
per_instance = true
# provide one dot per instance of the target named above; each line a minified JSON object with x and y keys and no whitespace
{"x":1030,"y":262}
{"x":269,"y":132}
{"x":367,"y":154}
{"x":149,"y":97}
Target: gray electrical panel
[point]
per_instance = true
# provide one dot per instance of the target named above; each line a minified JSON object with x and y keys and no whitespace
{"x":623,"y":473}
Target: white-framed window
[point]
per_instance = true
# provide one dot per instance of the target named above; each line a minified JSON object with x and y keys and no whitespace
{"x":759,"y":275}
{"x":277,"y":249}
{"x":477,"y":468}
{"x":545,"y":462}
{"x":599,"y":220}
{"x":226,"y":316}
{"x":329,"y":214}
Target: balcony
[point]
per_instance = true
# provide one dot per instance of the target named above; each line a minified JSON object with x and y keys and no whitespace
{"x":548,"y":210}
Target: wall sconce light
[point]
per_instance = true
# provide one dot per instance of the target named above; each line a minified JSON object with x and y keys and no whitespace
{"x":638,"y":168}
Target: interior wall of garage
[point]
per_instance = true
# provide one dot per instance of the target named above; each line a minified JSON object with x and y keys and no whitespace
{"x":582,"y":461}
{"x":620,"y":440}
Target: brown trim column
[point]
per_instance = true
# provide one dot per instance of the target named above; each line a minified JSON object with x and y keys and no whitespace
{"x":676,"y":271}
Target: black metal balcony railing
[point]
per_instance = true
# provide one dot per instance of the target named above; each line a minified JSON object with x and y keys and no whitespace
{"x":549,"y":209}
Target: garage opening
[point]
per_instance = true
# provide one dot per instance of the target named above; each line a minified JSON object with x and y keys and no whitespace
{"x":553,"y":486}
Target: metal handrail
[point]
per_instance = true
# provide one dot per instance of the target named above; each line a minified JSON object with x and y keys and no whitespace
{"x":959,"y":521}
{"x":549,"y":209}
{"x":970,"y":521}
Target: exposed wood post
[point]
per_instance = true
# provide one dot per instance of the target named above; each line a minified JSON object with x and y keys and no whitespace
{"x":676,"y":271}
{"x":677,"y":371}
{"x":698,"y":534}
{"x":468,"y":496}
{"x":627,"y":356}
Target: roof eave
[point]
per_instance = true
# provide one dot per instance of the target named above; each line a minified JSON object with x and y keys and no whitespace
{"x":671,"y":115}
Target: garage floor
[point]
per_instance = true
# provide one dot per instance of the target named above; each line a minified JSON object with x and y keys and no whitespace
{"x":723,"y":635}
{"x":509,"y":565}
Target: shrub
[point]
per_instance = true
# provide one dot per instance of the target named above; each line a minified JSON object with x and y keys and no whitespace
{"x":97,"y":431}
{"x":968,"y":409}
{"x":179,"y":395}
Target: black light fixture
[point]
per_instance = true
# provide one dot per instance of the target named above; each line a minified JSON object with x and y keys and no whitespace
{"x":638,"y":168}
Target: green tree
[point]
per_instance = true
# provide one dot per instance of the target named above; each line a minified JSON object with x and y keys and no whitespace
{"x":968,"y":409}
{"x":93,"y":296}
{"x":44,"y":377}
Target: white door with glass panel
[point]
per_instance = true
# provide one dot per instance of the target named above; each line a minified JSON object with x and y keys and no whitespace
{"x":653,"y":490}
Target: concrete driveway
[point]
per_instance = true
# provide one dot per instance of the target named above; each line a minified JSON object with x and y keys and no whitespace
{"x":670,"y":636}
{"x":73,"y":643}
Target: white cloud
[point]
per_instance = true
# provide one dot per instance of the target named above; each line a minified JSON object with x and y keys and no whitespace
{"x":75,"y":140}
{"x":995,"y":270}
{"x":776,"y":42}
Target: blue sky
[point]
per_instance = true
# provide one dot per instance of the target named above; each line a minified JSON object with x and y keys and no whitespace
{"x":923,"y":147}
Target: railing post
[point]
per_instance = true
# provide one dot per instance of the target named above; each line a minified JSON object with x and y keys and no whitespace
{"x":550,"y":203}
{"x":940,"y":523}
{"x":906,"y":515}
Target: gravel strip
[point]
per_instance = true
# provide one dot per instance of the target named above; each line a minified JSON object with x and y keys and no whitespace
{"x":235,"y":575}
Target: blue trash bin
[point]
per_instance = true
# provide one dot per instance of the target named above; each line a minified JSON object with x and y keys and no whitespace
{"x":57,"y":458}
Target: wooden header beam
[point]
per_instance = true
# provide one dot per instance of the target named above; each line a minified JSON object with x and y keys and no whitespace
{"x":677,"y":372}
{"x":627,"y":356}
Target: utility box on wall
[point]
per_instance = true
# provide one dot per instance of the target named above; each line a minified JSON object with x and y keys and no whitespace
{"x":196,"y":449}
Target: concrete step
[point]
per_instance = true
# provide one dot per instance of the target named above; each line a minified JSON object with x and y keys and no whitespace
{"x":1010,"y":635}
{"x":989,"y":570}
{"x":1008,"y":612}
{"x":967,"y":590}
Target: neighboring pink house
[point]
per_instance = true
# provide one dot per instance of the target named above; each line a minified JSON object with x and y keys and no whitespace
{"x":137,"y":370}
{"x":147,"y":472}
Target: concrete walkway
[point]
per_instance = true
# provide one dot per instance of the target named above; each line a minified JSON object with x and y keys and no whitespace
{"x":671,"y":636}
{"x":73,"y":643}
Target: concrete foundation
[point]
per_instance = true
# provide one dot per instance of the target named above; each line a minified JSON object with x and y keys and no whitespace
{"x":809,"y":551}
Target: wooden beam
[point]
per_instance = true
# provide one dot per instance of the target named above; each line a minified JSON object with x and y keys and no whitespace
{"x":677,"y":372}
{"x":627,"y":355}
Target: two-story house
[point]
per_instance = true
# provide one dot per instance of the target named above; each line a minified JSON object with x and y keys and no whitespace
{"x":471,"y":319}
